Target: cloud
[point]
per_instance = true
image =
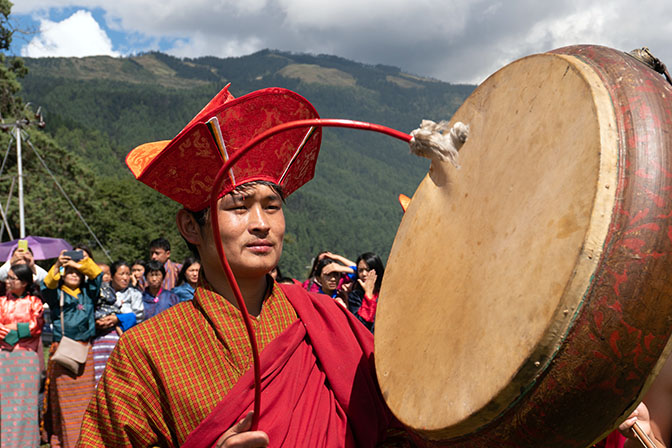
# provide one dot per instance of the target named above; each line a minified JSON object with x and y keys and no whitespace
{"x":452,"y":40}
{"x":200,"y":44}
{"x":78,"y":35}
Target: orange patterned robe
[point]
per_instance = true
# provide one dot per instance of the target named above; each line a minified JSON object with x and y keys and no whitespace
{"x":196,"y":351}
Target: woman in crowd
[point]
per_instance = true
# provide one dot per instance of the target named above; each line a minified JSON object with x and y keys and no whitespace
{"x":119,"y":308}
{"x":329,"y":277}
{"x":187,"y":279}
{"x":362,"y":295}
{"x":77,"y":284}
{"x":20,"y":328}
{"x":313,"y":283}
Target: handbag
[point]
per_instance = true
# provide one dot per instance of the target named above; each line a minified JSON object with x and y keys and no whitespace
{"x":70,"y":353}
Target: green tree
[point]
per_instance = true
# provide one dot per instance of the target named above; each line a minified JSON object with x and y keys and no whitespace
{"x":130,"y":215}
{"x":11,"y":69}
{"x":47,"y":212}
{"x":47,"y":167}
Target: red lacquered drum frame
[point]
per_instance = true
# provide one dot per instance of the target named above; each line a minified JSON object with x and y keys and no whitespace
{"x":600,"y":348}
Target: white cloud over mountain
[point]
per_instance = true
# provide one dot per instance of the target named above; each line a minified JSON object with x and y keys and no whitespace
{"x":78,"y":35}
{"x":453,"y":40}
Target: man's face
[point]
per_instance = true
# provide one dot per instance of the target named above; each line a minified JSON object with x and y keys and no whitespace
{"x":154,"y":279}
{"x":159,"y":254}
{"x":252,"y":227}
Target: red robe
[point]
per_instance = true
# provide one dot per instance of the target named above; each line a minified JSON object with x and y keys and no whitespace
{"x":167,"y":375}
{"x":318,"y":383}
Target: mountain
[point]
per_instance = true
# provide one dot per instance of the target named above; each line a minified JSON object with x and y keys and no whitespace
{"x":99,"y":108}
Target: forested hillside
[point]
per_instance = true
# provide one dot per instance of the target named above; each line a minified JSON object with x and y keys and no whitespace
{"x":99,"y":108}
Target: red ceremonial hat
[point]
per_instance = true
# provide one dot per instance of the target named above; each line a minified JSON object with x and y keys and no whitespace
{"x":185,"y":167}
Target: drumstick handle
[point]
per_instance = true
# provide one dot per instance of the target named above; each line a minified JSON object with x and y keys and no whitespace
{"x":642,"y":437}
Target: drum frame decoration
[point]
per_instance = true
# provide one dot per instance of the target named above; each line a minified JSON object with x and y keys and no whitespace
{"x":606,"y":331}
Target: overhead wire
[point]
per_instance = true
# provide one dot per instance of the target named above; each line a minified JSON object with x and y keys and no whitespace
{"x":65,"y":195}
{"x":11,"y":189}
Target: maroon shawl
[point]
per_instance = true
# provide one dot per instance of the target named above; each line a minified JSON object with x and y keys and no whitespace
{"x":318,"y":383}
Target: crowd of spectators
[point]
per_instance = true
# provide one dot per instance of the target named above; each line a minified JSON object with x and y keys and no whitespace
{"x":90,"y":305}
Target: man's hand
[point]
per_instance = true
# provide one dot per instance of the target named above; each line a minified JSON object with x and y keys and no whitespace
{"x":240,"y":436}
{"x":3,"y":331}
{"x":642,"y":417}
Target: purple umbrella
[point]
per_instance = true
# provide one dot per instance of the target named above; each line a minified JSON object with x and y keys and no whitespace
{"x":42,"y":247}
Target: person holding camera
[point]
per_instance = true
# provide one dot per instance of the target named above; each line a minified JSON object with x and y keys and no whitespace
{"x":71,"y":288}
{"x":22,"y":255}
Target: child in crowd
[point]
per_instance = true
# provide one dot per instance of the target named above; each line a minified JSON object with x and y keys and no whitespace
{"x":138,"y":274}
{"x":107,"y":276}
{"x":155,"y":298}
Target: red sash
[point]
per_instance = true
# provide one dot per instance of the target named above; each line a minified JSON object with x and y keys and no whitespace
{"x":613,"y":440}
{"x":318,"y":382}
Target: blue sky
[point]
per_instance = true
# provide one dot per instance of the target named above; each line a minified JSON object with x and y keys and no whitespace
{"x":122,"y":42}
{"x":451,"y":40}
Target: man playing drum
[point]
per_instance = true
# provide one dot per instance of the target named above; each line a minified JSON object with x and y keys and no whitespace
{"x":183,"y":378}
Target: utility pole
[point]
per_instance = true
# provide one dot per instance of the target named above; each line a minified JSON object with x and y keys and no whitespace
{"x":16,"y":127}
{"x":19,"y":167}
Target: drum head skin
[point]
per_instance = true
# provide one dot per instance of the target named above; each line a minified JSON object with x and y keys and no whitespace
{"x":509,"y":309}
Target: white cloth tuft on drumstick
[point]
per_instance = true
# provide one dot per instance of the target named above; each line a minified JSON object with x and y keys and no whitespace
{"x":439,"y":141}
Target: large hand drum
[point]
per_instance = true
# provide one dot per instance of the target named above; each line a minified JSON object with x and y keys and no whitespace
{"x":528,"y":296}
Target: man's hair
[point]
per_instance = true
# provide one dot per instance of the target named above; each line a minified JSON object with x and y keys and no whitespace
{"x":155,"y":265}
{"x":201,"y":217}
{"x":159,"y":243}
